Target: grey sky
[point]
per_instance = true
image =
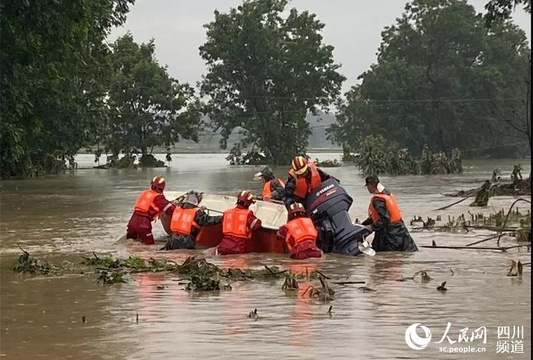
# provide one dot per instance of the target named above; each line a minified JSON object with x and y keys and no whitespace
{"x":353,"y":27}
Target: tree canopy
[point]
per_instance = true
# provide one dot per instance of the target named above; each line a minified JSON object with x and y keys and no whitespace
{"x":442,"y":79}
{"x":446,"y":77}
{"x":266,"y":71}
{"x":502,"y":9}
{"x":148,"y":108}
{"x":53,"y":79}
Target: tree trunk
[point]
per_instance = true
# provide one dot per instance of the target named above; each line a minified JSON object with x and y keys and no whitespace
{"x":528,"y":106}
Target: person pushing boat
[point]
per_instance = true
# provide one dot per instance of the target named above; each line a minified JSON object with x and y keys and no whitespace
{"x":385,"y":218}
{"x":273,"y":187}
{"x":150,"y":203}
{"x":238,"y":225}
{"x":300,"y":234}
{"x":304,"y":177}
{"x":187,"y":221}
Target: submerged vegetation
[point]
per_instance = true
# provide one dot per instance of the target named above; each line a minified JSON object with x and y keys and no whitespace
{"x":252,"y":157}
{"x":199,"y":274}
{"x":328,"y":163}
{"x":28,"y":264}
{"x":512,"y":222}
{"x":516,"y":221}
{"x":378,"y":156}
{"x":496,"y":187}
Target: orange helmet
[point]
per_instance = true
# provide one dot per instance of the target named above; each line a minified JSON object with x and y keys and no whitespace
{"x":158,"y":183}
{"x":245,"y":198}
{"x":299,"y":165}
{"x":296,"y":209}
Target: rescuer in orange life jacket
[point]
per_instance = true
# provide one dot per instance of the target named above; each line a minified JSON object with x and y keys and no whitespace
{"x":304,"y":177}
{"x":237,"y":226}
{"x":273,"y":187}
{"x":186,"y":223}
{"x":300,"y":234}
{"x":385,"y":218}
{"x":149,"y":204}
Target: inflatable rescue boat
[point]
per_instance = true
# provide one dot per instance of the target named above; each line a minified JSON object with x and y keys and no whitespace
{"x":272,"y":215}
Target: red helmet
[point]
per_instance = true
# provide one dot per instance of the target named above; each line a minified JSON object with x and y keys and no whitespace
{"x":299,"y":165}
{"x":296,"y":209}
{"x":245,"y":197}
{"x":158,"y":183}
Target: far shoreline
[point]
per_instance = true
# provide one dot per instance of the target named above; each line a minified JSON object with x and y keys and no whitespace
{"x":219,"y":151}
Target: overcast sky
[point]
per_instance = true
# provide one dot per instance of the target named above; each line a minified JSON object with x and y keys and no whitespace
{"x":353,"y":27}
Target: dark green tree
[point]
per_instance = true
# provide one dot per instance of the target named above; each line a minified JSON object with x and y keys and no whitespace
{"x":442,"y":79}
{"x":502,"y":9}
{"x":148,"y":108}
{"x":518,"y":117}
{"x":510,"y":111}
{"x":266,"y":71}
{"x":53,"y":80}
{"x":352,"y":122}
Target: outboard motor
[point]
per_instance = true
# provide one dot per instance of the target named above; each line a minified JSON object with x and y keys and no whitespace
{"x":328,"y":206}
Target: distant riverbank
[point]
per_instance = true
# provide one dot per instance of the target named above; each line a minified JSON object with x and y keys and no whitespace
{"x":217,"y":151}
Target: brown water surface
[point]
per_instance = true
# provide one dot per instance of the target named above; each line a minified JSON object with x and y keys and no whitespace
{"x":60,"y":218}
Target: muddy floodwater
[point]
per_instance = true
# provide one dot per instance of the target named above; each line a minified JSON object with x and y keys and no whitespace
{"x":61,"y":218}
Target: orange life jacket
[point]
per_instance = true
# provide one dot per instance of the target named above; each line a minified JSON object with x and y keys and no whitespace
{"x":266,"y":188}
{"x":302,"y":188}
{"x":145,"y":202}
{"x":235,"y":223}
{"x":392,"y":207}
{"x":299,"y":230}
{"x":182,"y":220}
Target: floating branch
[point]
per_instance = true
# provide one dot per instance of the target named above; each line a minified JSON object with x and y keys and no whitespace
{"x":480,"y":241}
{"x":507,"y":217}
{"x":457,"y":202}
{"x":474,"y":248}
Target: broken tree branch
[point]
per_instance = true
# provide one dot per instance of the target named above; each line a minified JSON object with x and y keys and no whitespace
{"x":507,"y":217}
{"x":457,"y":202}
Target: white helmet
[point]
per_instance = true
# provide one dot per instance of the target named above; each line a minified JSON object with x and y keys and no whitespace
{"x":191,"y":199}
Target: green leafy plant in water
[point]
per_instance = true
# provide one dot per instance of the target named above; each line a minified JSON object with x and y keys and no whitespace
{"x":199,"y":271}
{"x":456,"y":162}
{"x":439,"y":165}
{"x":329,"y":163}
{"x":202,"y":283}
{"x":161,"y":265}
{"x":28,"y":264}
{"x":517,"y":221}
{"x":378,"y":156}
{"x":135,"y":262}
{"x":111,"y":276}
{"x":290,"y":283}
{"x":107,"y":261}
{"x":202,"y":275}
